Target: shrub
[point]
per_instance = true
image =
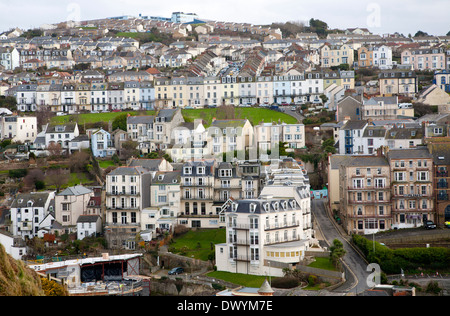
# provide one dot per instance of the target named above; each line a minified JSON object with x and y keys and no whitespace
{"x":433,"y":288}
{"x":52,"y":288}
{"x":409,"y":259}
{"x":312,"y":280}
{"x":285,"y":283}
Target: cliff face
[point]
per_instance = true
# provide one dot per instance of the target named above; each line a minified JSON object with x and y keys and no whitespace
{"x":16,"y":279}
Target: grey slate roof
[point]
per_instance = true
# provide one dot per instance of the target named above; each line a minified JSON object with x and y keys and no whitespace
{"x":149,"y":164}
{"x":419,"y":152}
{"x":38,"y":199}
{"x":351,"y":125}
{"x":147,"y":119}
{"x":88,"y":218}
{"x":167,"y":178}
{"x":244,"y":206}
{"x":128,"y":171}
{"x":76,"y":190}
{"x":365,"y":161}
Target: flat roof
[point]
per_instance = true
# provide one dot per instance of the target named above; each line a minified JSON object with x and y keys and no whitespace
{"x":80,"y":262}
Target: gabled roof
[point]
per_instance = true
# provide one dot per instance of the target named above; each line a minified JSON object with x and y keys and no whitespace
{"x":88,"y":218}
{"x":351,"y":125}
{"x":38,"y":199}
{"x":149,"y":164}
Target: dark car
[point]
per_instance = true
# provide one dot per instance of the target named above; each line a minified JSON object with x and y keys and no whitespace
{"x":429,"y":225}
{"x":176,"y":271}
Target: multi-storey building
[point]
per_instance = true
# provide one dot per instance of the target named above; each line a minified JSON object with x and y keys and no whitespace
{"x":267,"y":137}
{"x":18,"y":129}
{"x":227,"y":183}
{"x":127,"y":194}
{"x":386,"y":108}
{"x":28,"y":211}
{"x":99,"y":97}
{"x":425,"y":59}
{"x":230,"y":136}
{"x":9,"y":58}
{"x":441,"y":166}
{"x":269,"y":233}
{"x":375,"y":56}
{"x":335,"y":55}
{"x":442,"y":79}
{"x":350,"y":138}
{"x":26,"y":97}
{"x":197,"y":195}
{"x":70,"y":204}
{"x":365,"y":195}
{"x":398,"y":83}
{"x":61,"y":134}
{"x":293,"y":135}
{"x":161,"y":216}
{"x":82,"y":97}
{"x":411,"y":186}
{"x":165,"y":121}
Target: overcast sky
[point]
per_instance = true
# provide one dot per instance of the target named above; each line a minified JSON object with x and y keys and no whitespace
{"x":380,"y":16}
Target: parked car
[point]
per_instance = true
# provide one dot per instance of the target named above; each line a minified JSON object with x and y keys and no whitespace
{"x":447,"y":224}
{"x":429,"y":225}
{"x":176,"y":271}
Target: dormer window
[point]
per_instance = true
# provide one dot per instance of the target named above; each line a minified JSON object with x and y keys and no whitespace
{"x":201,"y":170}
{"x":293,"y":204}
{"x":187,"y":170}
{"x":252,"y":208}
{"x":276,"y":206}
{"x":266,"y":207}
{"x":234,"y":207}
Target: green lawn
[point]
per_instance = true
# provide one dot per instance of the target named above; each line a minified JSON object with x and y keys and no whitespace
{"x":197,"y":244}
{"x":92,"y":117}
{"x":323,"y":263}
{"x":106,"y":163}
{"x":248,"y":280}
{"x":74,"y":179}
{"x":254,"y":115}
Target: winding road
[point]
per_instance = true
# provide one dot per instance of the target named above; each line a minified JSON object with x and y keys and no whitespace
{"x":354,"y":265}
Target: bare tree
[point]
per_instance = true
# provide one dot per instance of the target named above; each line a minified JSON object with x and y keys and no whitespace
{"x":43,"y":117}
{"x":33,"y":177}
{"x":58,"y":178}
{"x":78,"y":161}
{"x":55,"y":150}
{"x":129,"y":149}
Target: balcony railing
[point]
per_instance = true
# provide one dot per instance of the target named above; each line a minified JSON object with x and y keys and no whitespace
{"x":275,"y":226}
{"x":196,"y":197}
{"x":368,"y":188}
{"x":368,"y":202}
{"x":117,"y":193}
{"x":273,"y":241}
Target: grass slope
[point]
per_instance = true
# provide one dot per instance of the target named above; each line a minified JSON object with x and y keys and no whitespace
{"x":16,"y":279}
{"x":254,"y":115}
{"x":197,"y":244}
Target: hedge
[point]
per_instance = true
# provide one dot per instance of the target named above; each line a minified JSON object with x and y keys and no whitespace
{"x":392,"y":261}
